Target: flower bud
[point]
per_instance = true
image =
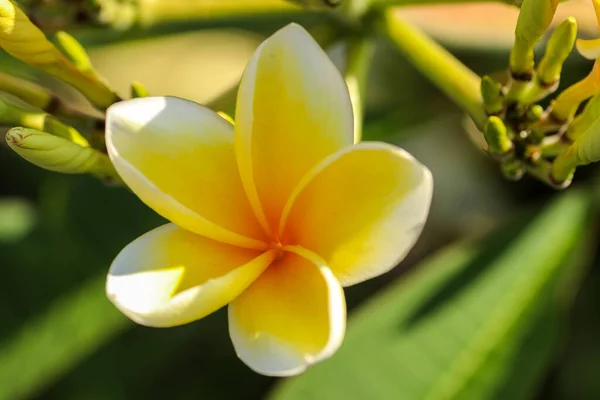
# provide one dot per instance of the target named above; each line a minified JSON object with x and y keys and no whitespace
{"x":496,"y":136}
{"x":23,"y":40}
{"x":74,"y":51}
{"x":558,"y":49}
{"x":57,"y":154}
{"x":491,"y":92}
{"x":138,"y":90}
{"x":534,"y":19}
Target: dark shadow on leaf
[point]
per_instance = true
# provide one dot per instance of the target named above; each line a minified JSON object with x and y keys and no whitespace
{"x":489,"y":249}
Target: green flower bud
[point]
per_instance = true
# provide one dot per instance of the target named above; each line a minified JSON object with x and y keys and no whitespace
{"x":513,"y":169}
{"x":57,"y":154}
{"x":535,"y":113}
{"x":534,"y":19}
{"x":558,"y":49}
{"x":74,"y":51}
{"x":23,"y":40}
{"x":496,"y":137}
{"x":491,"y":92}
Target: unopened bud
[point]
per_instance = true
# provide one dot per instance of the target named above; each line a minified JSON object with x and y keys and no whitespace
{"x":558,"y":49}
{"x":513,"y":169}
{"x":57,"y":154}
{"x":23,"y":40}
{"x":491,"y":92}
{"x":534,"y":19}
{"x":138,"y":90}
{"x":74,"y":51}
{"x":496,"y":136}
{"x":535,"y":113}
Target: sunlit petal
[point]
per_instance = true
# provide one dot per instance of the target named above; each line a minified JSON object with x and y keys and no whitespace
{"x":294,"y":315}
{"x":293,"y":110}
{"x":361,"y":210}
{"x":590,"y":49}
{"x":179,"y":158}
{"x":170,"y":276}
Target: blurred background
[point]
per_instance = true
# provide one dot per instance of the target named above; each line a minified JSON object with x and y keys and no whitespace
{"x":61,"y":339}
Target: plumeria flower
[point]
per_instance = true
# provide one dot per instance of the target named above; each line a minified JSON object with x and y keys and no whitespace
{"x":591,"y":48}
{"x":273,"y":216}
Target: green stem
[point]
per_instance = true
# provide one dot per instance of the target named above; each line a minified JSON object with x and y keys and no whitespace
{"x":359,"y":56}
{"x":39,"y":97}
{"x":456,"y":80}
{"x":153,"y":12}
{"x":13,"y":114}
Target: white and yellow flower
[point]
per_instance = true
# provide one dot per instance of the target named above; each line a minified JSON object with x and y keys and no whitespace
{"x":591,"y":48}
{"x":272,"y":217}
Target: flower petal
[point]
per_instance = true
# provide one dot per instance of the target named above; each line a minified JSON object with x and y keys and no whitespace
{"x":590,"y":49}
{"x":362,"y":210}
{"x":170,"y":276}
{"x":179,"y":158}
{"x":293,"y":316}
{"x":293,"y":110}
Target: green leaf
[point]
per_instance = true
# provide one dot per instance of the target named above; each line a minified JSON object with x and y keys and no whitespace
{"x":51,"y":344}
{"x":478,"y":321}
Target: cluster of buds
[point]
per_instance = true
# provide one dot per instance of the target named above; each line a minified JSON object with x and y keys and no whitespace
{"x":51,"y":133}
{"x":523,"y":136}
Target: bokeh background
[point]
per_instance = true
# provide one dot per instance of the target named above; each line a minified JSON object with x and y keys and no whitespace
{"x":61,"y":339}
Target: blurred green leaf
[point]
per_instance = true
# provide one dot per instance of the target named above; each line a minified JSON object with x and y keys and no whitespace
{"x":17,"y":218}
{"x":46,"y":347}
{"x":479,"y":321}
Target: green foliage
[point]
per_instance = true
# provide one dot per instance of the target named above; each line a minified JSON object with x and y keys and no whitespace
{"x":478,"y":321}
{"x":17,"y":218}
{"x":52,"y":343}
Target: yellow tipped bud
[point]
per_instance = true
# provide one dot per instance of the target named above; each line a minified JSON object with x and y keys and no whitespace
{"x":22,"y":39}
{"x":558,"y":49}
{"x":138,"y":90}
{"x":57,"y":154}
{"x":534,"y":19}
{"x":566,"y":104}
